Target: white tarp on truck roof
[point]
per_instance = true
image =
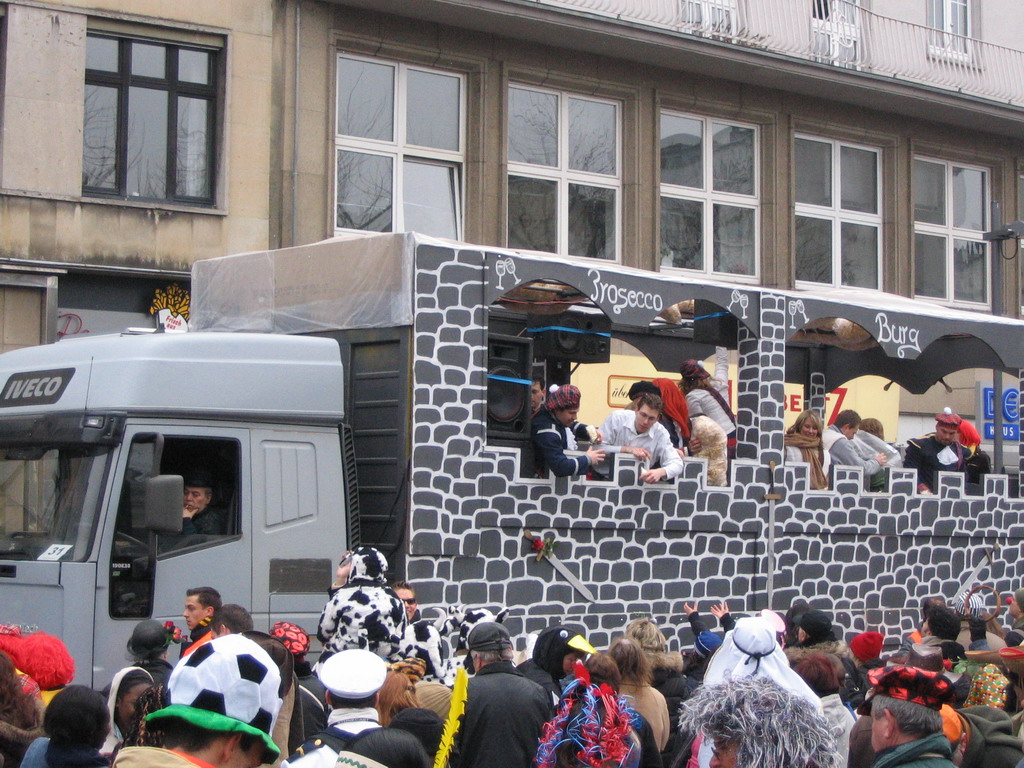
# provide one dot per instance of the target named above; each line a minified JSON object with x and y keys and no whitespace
{"x":355,"y":281}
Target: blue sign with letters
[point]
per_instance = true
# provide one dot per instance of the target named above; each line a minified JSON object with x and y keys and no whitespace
{"x":1011,"y":413}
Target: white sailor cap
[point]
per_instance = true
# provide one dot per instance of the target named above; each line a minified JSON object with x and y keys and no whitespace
{"x":353,"y":674}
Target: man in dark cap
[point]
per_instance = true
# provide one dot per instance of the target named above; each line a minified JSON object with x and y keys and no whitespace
{"x":939,"y":451}
{"x":551,"y":431}
{"x":504,"y":711}
{"x":815,"y":634}
{"x":197,"y":516}
{"x":906,"y":727}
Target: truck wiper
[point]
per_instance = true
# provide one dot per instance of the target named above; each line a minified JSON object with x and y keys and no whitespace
{"x":15,"y":554}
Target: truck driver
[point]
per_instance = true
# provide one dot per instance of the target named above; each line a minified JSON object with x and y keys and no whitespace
{"x":196,"y":515}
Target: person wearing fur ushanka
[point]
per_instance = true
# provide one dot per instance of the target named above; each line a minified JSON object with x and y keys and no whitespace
{"x":364,"y":612}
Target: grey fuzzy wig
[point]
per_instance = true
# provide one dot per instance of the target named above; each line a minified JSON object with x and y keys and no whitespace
{"x":773,"y":727}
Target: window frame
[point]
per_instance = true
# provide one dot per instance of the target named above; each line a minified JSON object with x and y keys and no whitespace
{"x":562,"y":175}
{"x":951,"y":233}
{"x":123,"y":81}
{"x":946,"y":43}
{"x":398,"y":150}
{"x":838,"y":215}
{"x":709,"y":197}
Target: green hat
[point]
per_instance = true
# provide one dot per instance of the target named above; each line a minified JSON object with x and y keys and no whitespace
{"x":229,"y":684}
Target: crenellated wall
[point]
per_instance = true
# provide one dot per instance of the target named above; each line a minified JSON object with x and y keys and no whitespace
{"x":644,"y":550}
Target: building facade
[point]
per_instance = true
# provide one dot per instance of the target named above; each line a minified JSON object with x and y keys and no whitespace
{"x":833,"y":144}
{"x":135,"y":141}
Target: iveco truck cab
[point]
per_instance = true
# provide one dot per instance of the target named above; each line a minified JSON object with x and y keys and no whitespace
{"x":96,"y":436}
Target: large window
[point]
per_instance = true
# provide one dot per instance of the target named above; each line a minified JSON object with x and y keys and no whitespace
{"x":708,"y":195}
{"x":564,"y":181}
{"x":399,"y":148}
{"x":150,"y":111}
{"x":838,"y":224}
{"x":950,"y":217}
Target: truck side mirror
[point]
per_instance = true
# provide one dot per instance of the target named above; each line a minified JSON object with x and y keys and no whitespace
{"x":164,"y":500}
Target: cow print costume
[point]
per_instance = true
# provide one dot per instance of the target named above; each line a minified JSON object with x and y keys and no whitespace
{"x":364,"y":613}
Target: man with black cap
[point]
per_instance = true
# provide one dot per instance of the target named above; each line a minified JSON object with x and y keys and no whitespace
{"x":352,"y":679}
{"x":639,"y":433}
{"x":815,"y":634}
{"x":939,"y":451}
{"x":196,"y":515}
{"x":505,"y":712}
{"x":906,"y":727}
{"x":223,"y":701}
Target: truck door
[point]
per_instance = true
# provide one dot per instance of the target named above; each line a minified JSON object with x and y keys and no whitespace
{"x":299,"y":519}
{"x":216,"y":555}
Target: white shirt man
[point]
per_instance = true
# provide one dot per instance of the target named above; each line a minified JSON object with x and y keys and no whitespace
{"x":639,"y":433}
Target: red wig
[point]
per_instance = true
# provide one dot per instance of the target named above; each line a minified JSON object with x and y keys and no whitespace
{"x":968,"y":434}
{"x":45,"y":659}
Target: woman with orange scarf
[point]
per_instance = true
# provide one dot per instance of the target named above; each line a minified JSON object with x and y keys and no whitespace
{"x":803,"y":444}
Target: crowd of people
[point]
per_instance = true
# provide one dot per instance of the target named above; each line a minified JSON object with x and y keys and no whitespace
{"x":667,"y":421}
{"x":765,"y":690}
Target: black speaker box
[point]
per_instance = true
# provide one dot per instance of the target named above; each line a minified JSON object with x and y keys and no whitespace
{"x":714,"y":325}
{"x":575,"y":337}
{"x":509,"y":374}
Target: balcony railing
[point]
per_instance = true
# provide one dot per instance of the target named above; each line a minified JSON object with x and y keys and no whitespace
{"x":833,"y":32}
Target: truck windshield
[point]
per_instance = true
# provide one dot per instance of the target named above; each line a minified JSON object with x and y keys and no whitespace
{"x":49,"y":500}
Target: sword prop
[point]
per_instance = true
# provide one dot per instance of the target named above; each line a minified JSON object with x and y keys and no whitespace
{"x":987,"y":560}
{"x":545,"y":553}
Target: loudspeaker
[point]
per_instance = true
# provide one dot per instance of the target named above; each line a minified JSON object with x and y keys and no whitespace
{"x":714,"y":325}
{"x":509,"y":372}
{"x":576,"y":337}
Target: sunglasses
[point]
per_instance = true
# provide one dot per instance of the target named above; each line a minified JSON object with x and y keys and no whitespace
{"x":409,"y":600}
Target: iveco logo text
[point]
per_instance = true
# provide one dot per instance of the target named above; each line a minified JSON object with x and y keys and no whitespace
{"x":35,"y":387}
{"x":620,"y":298}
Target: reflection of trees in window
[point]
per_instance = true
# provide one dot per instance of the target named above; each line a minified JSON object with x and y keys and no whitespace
{"x":838,"y":224}
{"x":708,"y":195}
{"x":99,"y":144}
{"x":398,"y":148}
{"x":148,"y":125}
{"x":364,"y":192}
{"x":950,"y":218}
{"x":558,"y":204}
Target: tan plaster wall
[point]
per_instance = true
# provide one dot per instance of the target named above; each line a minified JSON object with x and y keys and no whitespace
{"x":42,"y":213}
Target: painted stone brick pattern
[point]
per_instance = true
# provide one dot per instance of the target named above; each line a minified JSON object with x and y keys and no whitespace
{"x":643,"y":550}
